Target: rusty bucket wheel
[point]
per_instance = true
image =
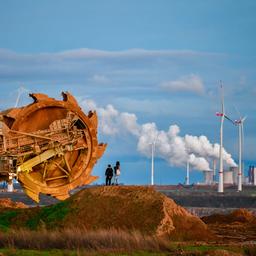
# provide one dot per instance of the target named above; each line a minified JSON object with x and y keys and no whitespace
{"x":71,"y":164}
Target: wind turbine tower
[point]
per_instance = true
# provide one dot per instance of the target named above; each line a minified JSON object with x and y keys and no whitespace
{"x":187,"y":176}
{"x":222,"y":114}
{"x":10,"y":187}
{"x":214,"y":169}
{"x":153,"y":145}
{"x":240,"y":124}
{"x":152,"y":162}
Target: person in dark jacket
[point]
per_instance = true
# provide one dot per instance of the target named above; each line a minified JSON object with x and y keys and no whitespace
{"x":109,"y":175}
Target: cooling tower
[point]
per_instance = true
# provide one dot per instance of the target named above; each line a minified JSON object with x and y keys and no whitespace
{"x":228,"y":177}
{"x":208,"y":177}
{"x":235,"y":174}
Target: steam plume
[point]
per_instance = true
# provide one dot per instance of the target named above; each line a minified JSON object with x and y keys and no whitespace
{"x":169,"y":145}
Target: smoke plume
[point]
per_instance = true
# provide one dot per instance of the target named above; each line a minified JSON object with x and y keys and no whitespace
{"x":169,"y":145}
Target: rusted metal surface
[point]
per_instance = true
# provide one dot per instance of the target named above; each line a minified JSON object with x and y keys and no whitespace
{"x":50,"y":145}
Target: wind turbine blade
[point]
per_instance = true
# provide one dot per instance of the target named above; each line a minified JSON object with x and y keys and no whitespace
{"x":21,"y":90}
{"x":237,"y":111}
{"x":243,"y":119}
{"x":229,"y":119}
{"x":222,"y":97}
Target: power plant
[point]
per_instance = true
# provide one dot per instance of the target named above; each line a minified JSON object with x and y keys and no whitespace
{"x":252,"y":175}
{"x":230,"y":176}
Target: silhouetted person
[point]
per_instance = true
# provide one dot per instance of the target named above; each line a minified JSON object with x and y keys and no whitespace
{"x":109,"y":175}
{"x":117,"y":172}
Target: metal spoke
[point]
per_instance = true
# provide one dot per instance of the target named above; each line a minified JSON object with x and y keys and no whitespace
{"x":45,"y":170}
{"x":67,"y":163}
{"x":61,"y":168}
{"x":56,"y":178}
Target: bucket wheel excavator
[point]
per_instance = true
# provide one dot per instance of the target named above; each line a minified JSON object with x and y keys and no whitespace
{"x":49,"y":146}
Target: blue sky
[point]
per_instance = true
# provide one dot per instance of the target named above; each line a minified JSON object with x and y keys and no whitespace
{"x":159,"y":60}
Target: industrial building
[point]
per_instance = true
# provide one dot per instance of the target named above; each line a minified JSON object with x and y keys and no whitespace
{"x":252,"y":175}
{"x":230,"y":177}
{"x":208,"y":177}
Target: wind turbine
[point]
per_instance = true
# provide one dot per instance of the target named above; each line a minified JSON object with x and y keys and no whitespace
{"x":222,"y":115}
{"x":240,"y":124}
{"x":153,"y":145}
{"x":187,"y":176}
{"x":214,"y":169}
{"x":21,"y":90}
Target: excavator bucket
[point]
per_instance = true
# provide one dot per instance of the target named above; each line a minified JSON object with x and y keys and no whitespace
{"x":50,"y":146}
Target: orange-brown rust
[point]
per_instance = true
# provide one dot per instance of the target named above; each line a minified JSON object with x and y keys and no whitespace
{"x":70,"y":98}
{"x":39,"y":97}
{"x":45,"y":125}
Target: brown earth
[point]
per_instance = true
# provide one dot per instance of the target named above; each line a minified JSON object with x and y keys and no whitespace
{"x":8,"y":203}
{"x":240,"y":215}
{"x":129,"y":208}
{"x":134,"y":208}
{"x":238,"y":226}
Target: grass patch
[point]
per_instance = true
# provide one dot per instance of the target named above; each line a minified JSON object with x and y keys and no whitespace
{"x":6,"y":219}
{"x":250,"y":250}
{"x":76,"y":239}
{"x":180,"y":250}
{"x":49,"y":216}
{"x":204,"y":248}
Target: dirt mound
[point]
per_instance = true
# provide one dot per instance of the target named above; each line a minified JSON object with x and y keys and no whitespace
{"x":8,"y":203}
{"x":133,"y":208}
{"x":128,"y":208}
{"x":238,"y":226}
{"x":240,"y":215}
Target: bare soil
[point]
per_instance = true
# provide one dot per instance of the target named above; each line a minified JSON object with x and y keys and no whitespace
{"x":238,"y":226}
{"x":133,"y":208}
{"x":8,"y":203}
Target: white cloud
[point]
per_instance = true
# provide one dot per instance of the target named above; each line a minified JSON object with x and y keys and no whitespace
{"x":108,"y":115}
{"x":101,"y":79}
{"x":132,"y":53}
{"x":129,"y":122}
{"x":111,"y":121}
{"x":89,"y":104}
{"x":190,"y":83}
{"x":80,"y":63}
